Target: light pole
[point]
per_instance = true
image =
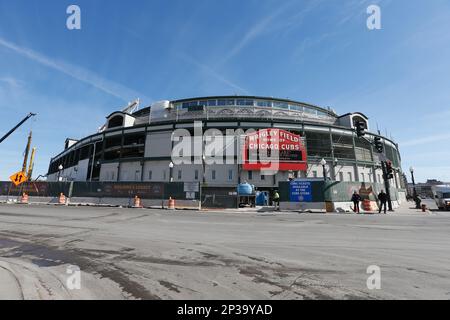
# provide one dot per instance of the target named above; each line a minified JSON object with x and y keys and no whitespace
{"x":323,"y":163}
{"x":416,"y":199}
{"x":60,"y":168}
{"x":202,"y":182}
{"x":171,"y":165}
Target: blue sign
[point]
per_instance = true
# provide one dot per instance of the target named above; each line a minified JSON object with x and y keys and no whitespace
{"x":300,"y":191}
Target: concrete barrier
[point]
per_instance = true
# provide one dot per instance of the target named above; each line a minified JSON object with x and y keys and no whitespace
{"x":303,"y":206}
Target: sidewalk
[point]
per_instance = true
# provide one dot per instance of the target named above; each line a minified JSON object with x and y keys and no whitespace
{"x":403,"y":209}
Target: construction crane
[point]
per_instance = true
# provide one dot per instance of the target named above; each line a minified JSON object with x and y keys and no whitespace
{"x":17,"y":126}
{"x":25,"y":158}
{"x":31,"y":166}
{"x":27,"y":151}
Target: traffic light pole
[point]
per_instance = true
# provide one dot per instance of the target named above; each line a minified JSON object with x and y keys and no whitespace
{"x":386,"y":185}
{"x":360,"y":132}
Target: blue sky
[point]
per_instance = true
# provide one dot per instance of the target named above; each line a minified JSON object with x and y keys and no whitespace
{"x":313,"y":51}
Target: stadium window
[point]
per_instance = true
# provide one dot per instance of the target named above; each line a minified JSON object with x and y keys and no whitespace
{"x":264,"y":103}
{"x":150,"y":173}
{"x":310,"y":111}
{"x":343,"y":147}
{"x":133,"y":152}
{"x":341,"y":176}
{"x":116,"y":121}
{"x":243,"y":102}
{"x":179,"y":174}
{"x":314,"y":173}
{"x":134,"y":139}
{"x":224,"y":102}
{"x":263,"y":177}
{"x":164,"y":175}
{"x":281,"y":105}
{"x":319,"y":145}
{"x":250,"y":175}
{"x":196,"y":175}
{"x":295,"y":107}
{"x":230,"y":174}
{"x":213,"y":174}
{"x":115,"y":141}
{"x":212,"y":103}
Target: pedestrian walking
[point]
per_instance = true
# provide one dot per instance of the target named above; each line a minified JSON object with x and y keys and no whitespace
{"x":382,"y":197}
{"x":276,"y":200}
{"x":356,"y":198}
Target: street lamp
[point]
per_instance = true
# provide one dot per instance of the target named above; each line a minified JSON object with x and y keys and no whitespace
{"x":60,"y":168}
{"x":171,"y":165}
{"x":202,"y":182}
{"x":323,"y":163}
{"x":416,"y":199}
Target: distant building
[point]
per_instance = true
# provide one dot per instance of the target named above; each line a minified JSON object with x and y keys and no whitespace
{"x":424,"y":189}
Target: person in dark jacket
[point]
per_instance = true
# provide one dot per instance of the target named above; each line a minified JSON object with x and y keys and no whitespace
{"x":383,"y":200}
{"x":356,"y":198}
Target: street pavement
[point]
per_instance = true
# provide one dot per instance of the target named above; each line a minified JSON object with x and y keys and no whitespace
{"x":161,"y":254}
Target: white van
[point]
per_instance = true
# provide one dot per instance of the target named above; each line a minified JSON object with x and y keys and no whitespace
{"x":441,"y":195}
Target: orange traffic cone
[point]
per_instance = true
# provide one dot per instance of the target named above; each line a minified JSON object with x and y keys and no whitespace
{"x":137,"y":202}
{"x":24,"y":198}
{"x":171,"y":204}
{"x":62,"y":199}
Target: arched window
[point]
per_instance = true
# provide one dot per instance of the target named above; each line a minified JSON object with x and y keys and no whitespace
{"x":357,"y":119}
{"x":116,"y":121}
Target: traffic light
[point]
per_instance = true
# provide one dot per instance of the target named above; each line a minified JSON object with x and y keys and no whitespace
{"x":378,"y":144}
{"x":360,"y":129}
{"x":389,"y":170}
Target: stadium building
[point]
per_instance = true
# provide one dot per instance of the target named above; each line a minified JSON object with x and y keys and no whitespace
{"x":135,"y":145}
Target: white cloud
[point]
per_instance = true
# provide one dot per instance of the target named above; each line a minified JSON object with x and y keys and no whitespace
{"x":254,"y":31}
{"x":423,"y":173}
{"x":213,"y":73}
{"x":11,"y":82}
{"x":76,"y":72}
{"x":420,"y":141}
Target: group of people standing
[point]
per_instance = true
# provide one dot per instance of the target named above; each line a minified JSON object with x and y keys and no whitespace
{"x":382,"y":197}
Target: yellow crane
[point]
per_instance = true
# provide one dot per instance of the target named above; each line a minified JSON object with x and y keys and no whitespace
{"x":31,"y":165}
{"x":25,"y":158}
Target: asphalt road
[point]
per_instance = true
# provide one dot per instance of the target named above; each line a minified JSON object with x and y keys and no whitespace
{"x":155,"y":254}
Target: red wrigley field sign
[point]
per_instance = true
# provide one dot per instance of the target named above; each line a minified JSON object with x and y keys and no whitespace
{"x":274,"y":149}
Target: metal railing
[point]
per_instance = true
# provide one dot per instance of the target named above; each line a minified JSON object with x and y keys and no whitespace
{"x":241,"y":112}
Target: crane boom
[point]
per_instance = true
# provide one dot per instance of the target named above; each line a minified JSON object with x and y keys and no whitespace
{"x":17,"y":126}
